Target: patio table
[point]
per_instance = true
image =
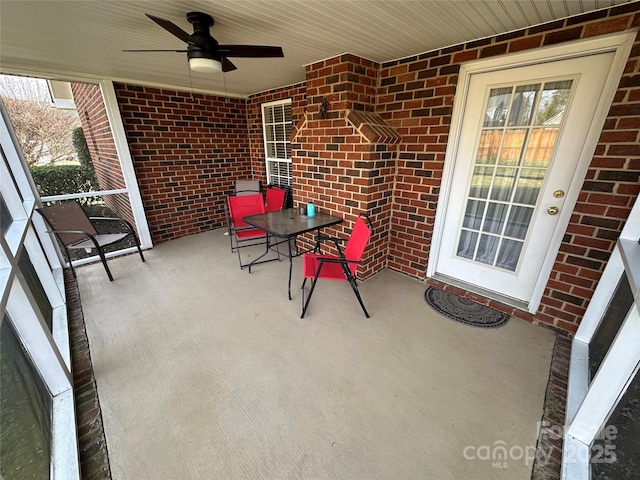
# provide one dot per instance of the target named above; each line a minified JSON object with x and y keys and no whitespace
{"x":288,"y":224}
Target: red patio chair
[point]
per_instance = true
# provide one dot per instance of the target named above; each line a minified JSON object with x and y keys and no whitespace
{"x":275,"y":199}
{"x":341,"y":267}
{"x":242,"y":187}
{"x":245,"y":235}
{"x":75,"y":229}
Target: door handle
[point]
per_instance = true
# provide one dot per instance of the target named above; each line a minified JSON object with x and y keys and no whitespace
{"x":553,"y":210}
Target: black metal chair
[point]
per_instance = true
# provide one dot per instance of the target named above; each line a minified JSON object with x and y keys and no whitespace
{"x":75,"y":229}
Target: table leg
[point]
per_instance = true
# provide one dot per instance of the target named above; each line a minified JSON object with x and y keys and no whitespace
{"x":290,"y":263}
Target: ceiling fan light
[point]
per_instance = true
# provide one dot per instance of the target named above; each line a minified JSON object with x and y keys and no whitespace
{"x":205,"y":65}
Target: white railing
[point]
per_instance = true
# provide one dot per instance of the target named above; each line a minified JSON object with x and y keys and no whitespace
{"x":591,"y":401}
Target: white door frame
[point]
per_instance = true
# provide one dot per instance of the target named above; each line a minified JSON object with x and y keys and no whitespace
{"x":620,"y":44}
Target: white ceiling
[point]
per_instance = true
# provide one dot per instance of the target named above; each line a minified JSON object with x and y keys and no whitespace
{"x":85,"y":38}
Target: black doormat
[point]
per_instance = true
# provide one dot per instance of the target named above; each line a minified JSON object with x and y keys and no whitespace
{"x":464,"y":310}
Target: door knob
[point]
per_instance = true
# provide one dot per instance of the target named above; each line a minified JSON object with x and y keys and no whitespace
{"x":553,"y":210}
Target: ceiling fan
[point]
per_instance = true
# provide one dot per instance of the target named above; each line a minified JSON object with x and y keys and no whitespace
{"x":203,"y":51}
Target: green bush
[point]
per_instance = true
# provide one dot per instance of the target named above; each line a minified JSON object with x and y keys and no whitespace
{"x":64,"y":179}
{"x":80,"y":145}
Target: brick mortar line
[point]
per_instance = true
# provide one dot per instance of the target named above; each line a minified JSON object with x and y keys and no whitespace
{"x":554,"y":413}
{"x":92,"y":445}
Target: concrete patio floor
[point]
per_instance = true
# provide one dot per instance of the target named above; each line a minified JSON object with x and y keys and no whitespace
{"x":206,"y":371}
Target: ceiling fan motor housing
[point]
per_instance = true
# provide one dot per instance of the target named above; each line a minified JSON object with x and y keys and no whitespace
{"x":207,"y":45}
{"x":198,"y":52}
{"x":200,"y":21}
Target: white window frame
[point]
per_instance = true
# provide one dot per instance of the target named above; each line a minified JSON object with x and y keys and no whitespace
{"x":287,"y":143}
{"x":589,"y":405}
{"x":49,"y":350}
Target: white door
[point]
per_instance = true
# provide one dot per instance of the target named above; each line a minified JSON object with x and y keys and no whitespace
{"x":522,"y":133}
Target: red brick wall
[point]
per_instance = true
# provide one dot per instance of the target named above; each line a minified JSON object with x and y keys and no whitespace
{"x":97,"y":131}
{"x":188,"y":150}
{"x":416,"y":97}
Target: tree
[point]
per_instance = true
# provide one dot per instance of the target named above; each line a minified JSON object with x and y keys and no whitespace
{"x":43,"y":131}
{"x":84,"y":156}
{"x":81,"y":147}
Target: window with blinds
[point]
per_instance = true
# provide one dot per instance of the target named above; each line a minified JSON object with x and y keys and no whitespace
{"x":277,"y":127}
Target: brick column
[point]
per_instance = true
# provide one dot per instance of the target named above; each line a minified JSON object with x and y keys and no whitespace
{"x":344,"y":154}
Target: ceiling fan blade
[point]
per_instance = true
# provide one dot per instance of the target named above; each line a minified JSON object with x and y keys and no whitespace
{"x":177,"y":51}
{"x":249,"y":51}
{"x":227,"y":66}
{"x":175,"y":30}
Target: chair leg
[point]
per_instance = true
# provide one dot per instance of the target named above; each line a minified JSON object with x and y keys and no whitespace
{"x":313,"y":286}
{"x":354,"y":287}
{"x":104,"y":262}
{"x":302,"y":296}
{"x":73,"y":270}
{"x":239,"y":259}
{"x":135,"y":237}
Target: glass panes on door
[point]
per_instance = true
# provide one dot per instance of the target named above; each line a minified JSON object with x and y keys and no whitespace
{"x":517,"y":141}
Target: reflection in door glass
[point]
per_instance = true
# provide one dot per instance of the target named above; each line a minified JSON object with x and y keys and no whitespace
{"x":529,"y":185}
{"x":481,"y":182}
{"x":510,"y":165}
{"x":489,"y":147}
{"x":525,"y":98}
{"x":497,"y":107}
{"x":512,"y":147}
{"x":540,"y":147}
{"x":553,"y":103}
{"x":503,"y":184}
